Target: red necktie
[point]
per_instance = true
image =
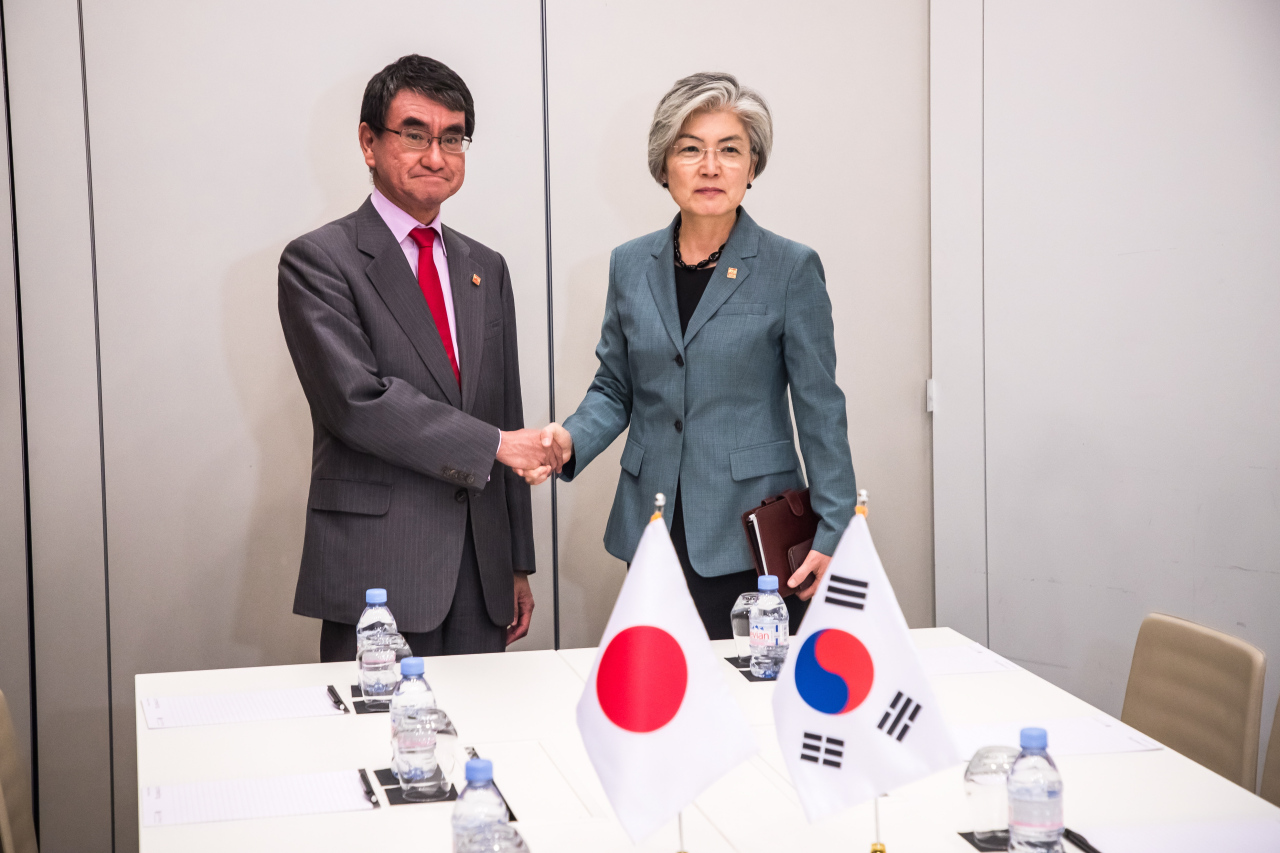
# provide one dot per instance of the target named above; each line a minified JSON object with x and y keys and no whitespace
{"x":429,"y":282}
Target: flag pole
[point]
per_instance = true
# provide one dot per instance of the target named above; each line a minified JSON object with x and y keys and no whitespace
{"x":680,"y":819}
{"x":877,"y":847}
{"x":659,"y":501}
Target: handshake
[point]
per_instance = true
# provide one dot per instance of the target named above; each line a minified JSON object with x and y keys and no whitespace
{"x":535,"y":454}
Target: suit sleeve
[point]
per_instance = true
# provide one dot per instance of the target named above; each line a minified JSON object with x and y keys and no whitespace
{"x":519,"y":504}
{"x":383,"y":416}
{"x":809,"y":348}
{"x":606,"y":409}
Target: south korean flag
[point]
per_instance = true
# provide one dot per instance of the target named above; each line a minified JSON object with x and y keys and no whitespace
{"x":855,"y":713}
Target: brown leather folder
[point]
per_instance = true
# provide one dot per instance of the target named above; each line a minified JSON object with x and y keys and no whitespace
{"x":780,"y":534}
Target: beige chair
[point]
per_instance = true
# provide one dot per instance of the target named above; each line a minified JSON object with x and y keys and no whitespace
{"x":1198,"y":691}
{"x":1271,"y":769}
{"x":17,"y":830}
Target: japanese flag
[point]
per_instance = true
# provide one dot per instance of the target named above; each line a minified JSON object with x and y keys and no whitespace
{"x":855,"y":713}
{"x":656,"y":717}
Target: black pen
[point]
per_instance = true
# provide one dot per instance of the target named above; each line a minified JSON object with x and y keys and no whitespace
{"x":1080,"y":841}
{"x":368,"y":789}
{"x":337,"y":700}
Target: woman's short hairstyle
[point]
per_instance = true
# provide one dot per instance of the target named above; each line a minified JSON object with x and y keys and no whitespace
{"x":709,"y":91}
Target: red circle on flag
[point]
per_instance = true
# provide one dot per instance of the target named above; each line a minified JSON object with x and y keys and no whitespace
{"x":642,"y":678}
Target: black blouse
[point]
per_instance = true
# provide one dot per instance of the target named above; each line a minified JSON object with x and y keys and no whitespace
{"x":690,"y":285}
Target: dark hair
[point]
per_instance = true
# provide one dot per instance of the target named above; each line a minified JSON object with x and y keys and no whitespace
{"x":420,"y":74}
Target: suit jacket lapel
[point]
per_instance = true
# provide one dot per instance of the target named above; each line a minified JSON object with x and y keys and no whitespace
{"x":742,"y":244}
{"x":395,"y":283}
{"x":468,"y":314}
{"x":662,"y":282}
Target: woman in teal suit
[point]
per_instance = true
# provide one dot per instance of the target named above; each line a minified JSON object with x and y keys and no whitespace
{"x":708,"y":323}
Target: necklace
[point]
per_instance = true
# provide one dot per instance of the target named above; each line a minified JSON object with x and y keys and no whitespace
{"x":715,"y":256}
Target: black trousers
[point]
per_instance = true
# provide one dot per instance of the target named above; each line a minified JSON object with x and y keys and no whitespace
{"x":466,"y":630}
{"x":715,"y":597}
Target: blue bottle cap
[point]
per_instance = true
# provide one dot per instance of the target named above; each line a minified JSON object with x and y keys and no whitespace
{"x":411,"y":666}
{"x":1035,"y":739}
{"x":767,"y":583}
{"x":479,"y":770}
{"x":377,"y":595}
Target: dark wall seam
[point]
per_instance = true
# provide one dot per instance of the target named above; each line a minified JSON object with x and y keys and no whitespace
{"x":102,"y":450}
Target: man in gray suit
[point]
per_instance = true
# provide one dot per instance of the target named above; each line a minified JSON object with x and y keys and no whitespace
{"x":403,"y":333}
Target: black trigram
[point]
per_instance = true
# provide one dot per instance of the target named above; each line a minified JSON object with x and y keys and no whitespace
{"x":829,"y":755}
{"x":901,"y":705}
{"x":846,"y":592}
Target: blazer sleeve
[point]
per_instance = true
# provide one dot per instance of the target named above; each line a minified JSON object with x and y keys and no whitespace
{"x":519,"y":504}
{"x":383,"y":416}
{"x":809,"y":349}
{"x":606,"y":409}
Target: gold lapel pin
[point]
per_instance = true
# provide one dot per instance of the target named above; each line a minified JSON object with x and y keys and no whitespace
{"x":475,"y":279}
{"x":733,"y":272}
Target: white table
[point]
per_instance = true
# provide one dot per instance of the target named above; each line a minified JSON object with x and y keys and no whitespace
{"x":518,"y":709}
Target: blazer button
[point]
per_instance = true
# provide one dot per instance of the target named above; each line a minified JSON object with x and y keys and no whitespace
{"x":471,"y":478}
{"x":460,"y":496}
{"x":679,"y":426}
{"x":679,"y":360}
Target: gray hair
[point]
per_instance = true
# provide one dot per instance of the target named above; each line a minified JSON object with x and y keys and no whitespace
{"x":709,"y":91}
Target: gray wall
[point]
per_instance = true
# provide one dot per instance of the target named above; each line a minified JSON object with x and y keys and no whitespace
{"x":15,"y":668}
{"x":1130,"y":192}
{"x":164,"y":154}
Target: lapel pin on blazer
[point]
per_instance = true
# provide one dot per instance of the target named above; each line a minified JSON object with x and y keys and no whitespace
{"x":475,"y":279}
{"x":733,"y":272}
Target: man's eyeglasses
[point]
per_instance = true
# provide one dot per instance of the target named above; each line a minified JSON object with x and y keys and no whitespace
{"x":419,"y":139}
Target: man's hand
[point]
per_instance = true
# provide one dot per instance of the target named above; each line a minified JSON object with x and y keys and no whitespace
{"x":555,"y":438}
{"x":524,"y":609}
{"x":815,"y":564}
{"x":523,"y":449}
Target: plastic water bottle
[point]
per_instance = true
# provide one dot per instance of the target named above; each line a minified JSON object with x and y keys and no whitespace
{"x":376,"y":616}
{"x":770,"y":629}
{"x":412,"y":696}
{"x":478,"y":806}
{"x":1035,"y":797}
{"x":496,"y":838}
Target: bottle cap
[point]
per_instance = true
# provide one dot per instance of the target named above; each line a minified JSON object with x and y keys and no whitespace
{"x":1034,"y":739}
{"x":479,"y":770}
{"x":411,"y":666}
{"x":767,"y":583}
{"x":377,"y":595}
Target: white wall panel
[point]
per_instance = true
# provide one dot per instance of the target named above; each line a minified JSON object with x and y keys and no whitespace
{"x":959,"y":428}
{"x":848,"y":85}
{"x":42,"y":39}
{"x":220,"y":132}
{"x":1132,"y":207}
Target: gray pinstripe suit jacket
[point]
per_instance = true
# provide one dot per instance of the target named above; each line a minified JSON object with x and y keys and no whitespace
{"x":400,"y":452}
{"x":708,"y":408}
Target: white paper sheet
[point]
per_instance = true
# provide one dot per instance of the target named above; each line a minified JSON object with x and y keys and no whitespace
{"x":1239,"y":836}
{"x":167,"y":712}
{"x":961,"y":660}
{"x":1067,"y":736}
{"x":242,"y":799}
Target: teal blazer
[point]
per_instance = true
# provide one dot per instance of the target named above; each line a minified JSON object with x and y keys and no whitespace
{"x":709,"y":409}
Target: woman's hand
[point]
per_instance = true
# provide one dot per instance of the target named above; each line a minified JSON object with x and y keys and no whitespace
{"x":559,"y":444}
{"x":815,"y":564}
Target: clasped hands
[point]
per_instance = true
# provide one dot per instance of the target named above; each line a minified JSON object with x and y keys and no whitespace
{"x":534,"y":454}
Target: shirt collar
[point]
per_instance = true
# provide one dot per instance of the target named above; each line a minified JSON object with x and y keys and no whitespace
{"x":402,"y":223}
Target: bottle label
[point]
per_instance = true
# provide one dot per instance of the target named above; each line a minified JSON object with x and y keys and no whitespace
{"x":768,"y":635}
